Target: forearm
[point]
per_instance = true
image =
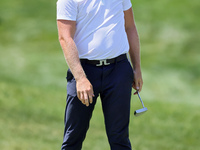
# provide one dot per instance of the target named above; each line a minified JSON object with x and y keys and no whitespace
{"x":134,"y":50}
{"x":66,"y":31}
{"x":71,"y":55}
{"x":84,"y":88}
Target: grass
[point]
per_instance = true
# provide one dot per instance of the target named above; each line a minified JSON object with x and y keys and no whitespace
{"x":33,"y":85}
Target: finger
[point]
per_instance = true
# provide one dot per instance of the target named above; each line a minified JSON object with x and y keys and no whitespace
{"x":137,"y":85}
{"x":91,"y":95}
{"x":79,"y":95}
{"x":91,"y":99}
{"x":83,"y":101}
{"x":133,"y":85}
{"x":86,"y":99}
{"x":140,"y":85}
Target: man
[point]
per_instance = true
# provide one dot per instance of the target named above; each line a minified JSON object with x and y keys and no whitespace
{"x":95,"y":36}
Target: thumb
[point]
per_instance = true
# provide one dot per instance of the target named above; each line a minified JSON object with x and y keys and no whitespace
{"x":137,"y":85}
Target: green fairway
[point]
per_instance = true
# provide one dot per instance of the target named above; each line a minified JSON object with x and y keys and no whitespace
{"x":33,"y":84}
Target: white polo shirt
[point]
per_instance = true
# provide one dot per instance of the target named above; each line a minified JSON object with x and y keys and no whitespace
{"x":100,"y":31}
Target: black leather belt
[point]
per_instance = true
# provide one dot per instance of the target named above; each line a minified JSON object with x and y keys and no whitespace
{"x":104,"y":62}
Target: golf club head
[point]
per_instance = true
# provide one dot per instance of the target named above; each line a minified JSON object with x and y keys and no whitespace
{"x":140,"y":111}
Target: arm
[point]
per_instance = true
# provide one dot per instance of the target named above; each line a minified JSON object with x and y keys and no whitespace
{"x":66,"y":31}
{"x":134,"y":50}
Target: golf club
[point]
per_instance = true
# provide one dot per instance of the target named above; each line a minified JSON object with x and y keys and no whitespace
{"x":142,"y":110}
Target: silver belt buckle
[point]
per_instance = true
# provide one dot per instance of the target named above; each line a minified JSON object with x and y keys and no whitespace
{"x":102,"y":62}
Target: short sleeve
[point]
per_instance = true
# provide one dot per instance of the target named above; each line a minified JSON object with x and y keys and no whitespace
{"x":127,"y":4}
{"x":66,"y":10}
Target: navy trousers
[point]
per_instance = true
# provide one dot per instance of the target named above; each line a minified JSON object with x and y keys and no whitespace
{"x":113,"y":83}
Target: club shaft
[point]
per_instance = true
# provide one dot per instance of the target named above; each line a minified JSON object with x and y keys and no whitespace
{"x":140,"y":99}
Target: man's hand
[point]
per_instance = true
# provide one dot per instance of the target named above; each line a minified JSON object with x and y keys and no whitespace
{"x":138,"y":82}
{"x":85,"y":91}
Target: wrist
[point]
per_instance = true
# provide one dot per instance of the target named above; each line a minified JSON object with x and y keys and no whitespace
{"x":137,"y":67}
{"x":80,"y":77}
